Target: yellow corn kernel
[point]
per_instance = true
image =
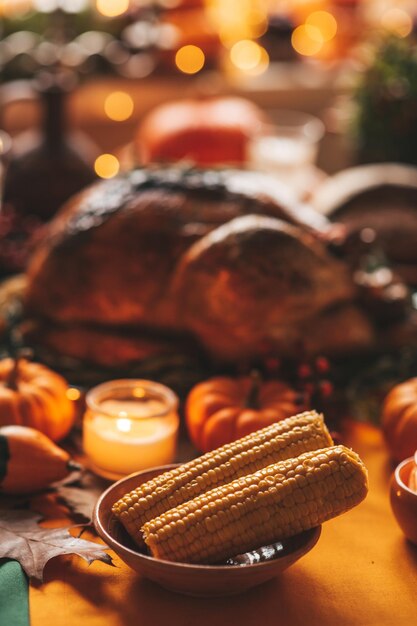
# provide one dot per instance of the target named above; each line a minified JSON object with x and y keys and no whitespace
{"x":265,"y":514}
{"x":284,"y":439}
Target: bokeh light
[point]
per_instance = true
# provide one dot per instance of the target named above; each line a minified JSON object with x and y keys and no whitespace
{"x":262,"y":65}
{"x":106,"y":166}
{"x":73,"y":394}
{"x":307,"y":40}
{"x":325,"y":22}
{"x":190,"y":59}
{"x":246,"y":54}
{"x":118,"y":106}
{"x":112,"y":8}
{"x":397,"y":21}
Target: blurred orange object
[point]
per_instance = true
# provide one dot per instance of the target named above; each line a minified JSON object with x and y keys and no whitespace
{"x":222,"y":409}
{"x":399,"y":419}
{"x":403,"y":499}
{"x":206,"y":132}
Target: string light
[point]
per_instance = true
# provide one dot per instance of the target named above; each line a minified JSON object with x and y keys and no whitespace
{"x":106,"y":165}
{"x":118,"y":106}
{"x":236,"y":20}
{"x":190,"y":59}
{"x":73,"y":394}
{"x":262,"y":65}
{"x":397,"y":21}
{"x":325,"y":22}
{"x":307,"y":40}
{"x":112,"y":8}
{"x":245,"y":54}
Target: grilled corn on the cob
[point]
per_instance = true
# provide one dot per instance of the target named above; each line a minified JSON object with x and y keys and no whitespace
{"x":282,"y":440}
{"x":273,"y":503}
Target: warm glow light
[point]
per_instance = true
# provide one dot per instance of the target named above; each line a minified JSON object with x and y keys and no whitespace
{"x":235,"y":20}
{"x":73,"y":394}
{"x":324,"y":22}
{"x":307,"y":40}
{"x":190,"y":59}
{"x":397,"y":21}
{"x":14,"y":8}
{"x":258,"y":22}
{"x":106,"y":166}
{"x":262,"y":65}
{"x":139,"y":392}
{"x":112,"y":8}
{"x":118,"y":106}
{"x":246,"y":55}
{"x":124,"y":424}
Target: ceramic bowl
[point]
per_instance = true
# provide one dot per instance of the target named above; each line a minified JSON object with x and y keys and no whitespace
{"x":197,"y":580}
{"x":404,"y":500}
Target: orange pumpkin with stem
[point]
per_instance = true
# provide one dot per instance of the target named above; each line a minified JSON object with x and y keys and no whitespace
{"x":399,"y":419}
{"x":224,"y":409}
{"x":33,"y":395}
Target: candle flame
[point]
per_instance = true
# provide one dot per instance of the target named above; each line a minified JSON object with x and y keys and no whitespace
{"x":139,"y":392}
{"x":124,"y":424}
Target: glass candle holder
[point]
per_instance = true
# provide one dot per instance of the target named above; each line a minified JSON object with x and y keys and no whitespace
{"x":129,"y":425}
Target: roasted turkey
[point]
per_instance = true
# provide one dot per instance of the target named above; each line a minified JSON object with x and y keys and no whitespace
{"x":167,"y":259}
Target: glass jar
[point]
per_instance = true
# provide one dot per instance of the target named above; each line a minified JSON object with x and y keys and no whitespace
{"x":130,"y":425}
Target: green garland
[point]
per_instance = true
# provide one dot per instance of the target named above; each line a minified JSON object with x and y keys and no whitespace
{"x":386,"y":98}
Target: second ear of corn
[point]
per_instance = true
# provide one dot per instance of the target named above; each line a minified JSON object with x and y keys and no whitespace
{"x":272,"y":484}
{"x":274,"y":503}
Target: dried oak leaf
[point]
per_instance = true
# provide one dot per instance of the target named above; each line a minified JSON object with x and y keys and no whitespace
{"x":25,"y":541}
{"x":82,"y":493}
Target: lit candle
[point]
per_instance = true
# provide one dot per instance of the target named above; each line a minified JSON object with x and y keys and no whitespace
{"x":129,"y":425}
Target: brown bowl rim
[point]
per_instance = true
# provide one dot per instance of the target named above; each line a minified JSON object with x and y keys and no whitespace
{"x":313,"y":535}
{"x":397,"y":474}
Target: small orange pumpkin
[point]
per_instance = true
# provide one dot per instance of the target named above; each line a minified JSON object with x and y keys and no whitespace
{"x":224,"y":409}
{"x":399,"y":419}
{"x":29,"y":461}
{"x":33,"y":395}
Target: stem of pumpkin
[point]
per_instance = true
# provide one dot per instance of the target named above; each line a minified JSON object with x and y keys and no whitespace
{"x":252,"y":401}
{"x":13,"y":377}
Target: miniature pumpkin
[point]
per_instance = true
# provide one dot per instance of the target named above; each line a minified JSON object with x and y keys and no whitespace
{"x":29,"y":461}
{"x":224,"y":409}
{"x":399,"y":419}
{"x":33,"y":395}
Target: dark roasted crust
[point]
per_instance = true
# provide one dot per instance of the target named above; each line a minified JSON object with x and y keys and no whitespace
{"x":246,"y":288}
{"x":109,"y":256}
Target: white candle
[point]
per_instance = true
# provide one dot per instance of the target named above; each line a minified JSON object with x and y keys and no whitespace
{"x":130,"y":425}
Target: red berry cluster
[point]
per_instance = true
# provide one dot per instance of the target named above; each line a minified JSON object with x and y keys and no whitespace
{"x":314,"y":378}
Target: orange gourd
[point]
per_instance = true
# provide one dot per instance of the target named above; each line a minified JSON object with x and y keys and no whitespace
{"x":204,"y":132}
{"x":29,"y":461}
{"x":223,"y":409}
{"x":399,"y":419}
{"x":33,"y":395}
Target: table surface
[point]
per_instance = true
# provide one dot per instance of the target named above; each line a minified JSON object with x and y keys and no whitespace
{"x":362,"y":572}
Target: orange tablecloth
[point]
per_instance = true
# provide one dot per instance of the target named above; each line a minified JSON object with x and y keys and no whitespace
{"x":362,"y":572}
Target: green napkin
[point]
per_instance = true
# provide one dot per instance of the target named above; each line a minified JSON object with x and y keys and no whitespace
{"x":14,"y":594}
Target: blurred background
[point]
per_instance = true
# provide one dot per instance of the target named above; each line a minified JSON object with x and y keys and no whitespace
{"x":87,"y":73}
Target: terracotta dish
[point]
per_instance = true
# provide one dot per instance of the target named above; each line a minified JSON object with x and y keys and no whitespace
{"x":404,"y":499}
{"x":195,"y":580}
